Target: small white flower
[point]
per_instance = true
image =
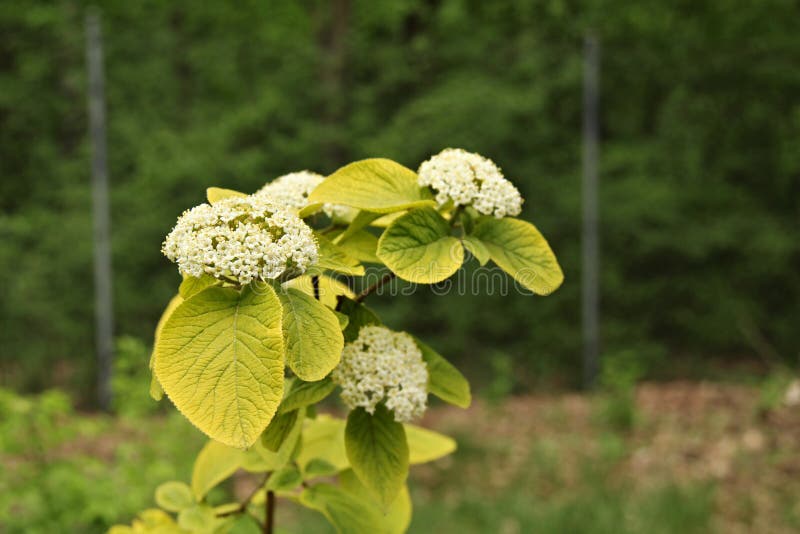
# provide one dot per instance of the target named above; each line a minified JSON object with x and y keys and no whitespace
{"x":292,"y":190}
{"x":381,"y":365}
{"x":244,"y":239}
{"x":467,"y":178}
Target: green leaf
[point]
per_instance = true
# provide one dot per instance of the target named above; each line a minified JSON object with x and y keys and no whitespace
{"x":344,"y":320}
{"x":273,"y":460}
{"x":278,"y":429}
{"x":319,"y":468}
{"x":336,"y":258}
{"x":426,"y":445}
{"x":156,"y":392}
{"x":476,"y":248}
{"x":361,"y":220}
{"x":362,"y":245}
{"x":199,"y":519}
{"x":519,"y":249}
{"x":219,"y":358}
{"x":284,"y":479}
{"x":329,"y":289}
{"x":359,"y":316}
{"x":346,"y":513}
{"x":398,"y":516}
{"x":313,"y":337}
{"x":377,"y":185}
{"x":215,"y":194}
{"x":303,"y":394}
{"x":323,"y":439}
{"x":215,"y":463}
{"x":174,"y":496}
{"x":192,"y":285}
{"x":418,"y":247}
{"x":377,"y":449}
{"x":444,"y":380}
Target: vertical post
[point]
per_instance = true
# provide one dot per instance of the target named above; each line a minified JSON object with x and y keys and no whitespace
{"x":104,"y":325}
{"x":590,"y":242}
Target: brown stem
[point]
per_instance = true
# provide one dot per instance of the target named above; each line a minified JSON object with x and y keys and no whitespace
{"x":269,"y":508}
{"x":388,"y":277}
{"x":243,"y":507}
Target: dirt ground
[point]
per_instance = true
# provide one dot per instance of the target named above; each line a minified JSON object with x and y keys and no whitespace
{"x":684,"y":432}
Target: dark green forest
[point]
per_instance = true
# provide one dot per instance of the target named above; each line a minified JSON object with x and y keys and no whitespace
{"x":700,"y":166}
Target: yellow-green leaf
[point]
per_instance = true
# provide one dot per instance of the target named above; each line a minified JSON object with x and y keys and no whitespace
{"x":273,"y":460}
{"x":303,"y":394}
{"x":329,"y":289}
{"x":199,"y":519}
{"x":319,"y":468}
{"x":348,"y":514}
{"x":418,"y":247}
{"x":336,"y":258}
{"x":193,"y":285}
{"x":215,"y":463}
{"x":361,"y":220}
{"x":444,"y":380}
{"x":397,"y":516}
{"x":174,"y":496}
{"x":323,"y":439}
{"x":285,"y":478}
{"x":219,"y":357}
{"x":362,"y":245}
{"x":378,"y":452}
{"x":156,"y":392}
{"x":313,"y":337}
{"x":476,"y":248}
{"x":377,"y":185}
{"x":519,"y":249}
{"x":385,"y":220}
{"x":215,"y":194}
{"x":278,"y":429}
{"x":426,"y":445}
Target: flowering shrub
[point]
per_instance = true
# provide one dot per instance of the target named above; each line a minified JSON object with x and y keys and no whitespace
{"x":266,"y":325}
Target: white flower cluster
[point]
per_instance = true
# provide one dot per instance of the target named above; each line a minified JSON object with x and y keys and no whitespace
{"x":468,"y":178}
{"x":250,"y":238}
{"x":292,"y":190}
{"x":383,"y":365}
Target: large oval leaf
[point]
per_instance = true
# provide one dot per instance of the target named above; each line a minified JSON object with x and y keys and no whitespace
{"x":378,"y":452}
{"x":219,"y":358}
{"x":519,"y":249}
{"x":156,"y":391}
{"x":336,"y":258}
{"x":193,"y":285}
{"x":396,"y":518}
{"x":444,"y":380}
{"x":323,"y":439}
{"x":174,"y":496}
{"x":303,"y":394}
{"x":418,"y":247}
{"x":215,"y":463}
{"x":377,"y":185}
{"x":346,"y":512}
{"x":313,"y":336}
{"x":426,"y":445}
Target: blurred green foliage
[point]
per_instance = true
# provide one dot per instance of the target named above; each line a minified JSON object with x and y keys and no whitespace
{"x":67,"y":472}
{"x":700,"y":128}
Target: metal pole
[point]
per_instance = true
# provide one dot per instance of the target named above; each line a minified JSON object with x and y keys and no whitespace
{"x":104,"y":326}
{"x":590,"y":292}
